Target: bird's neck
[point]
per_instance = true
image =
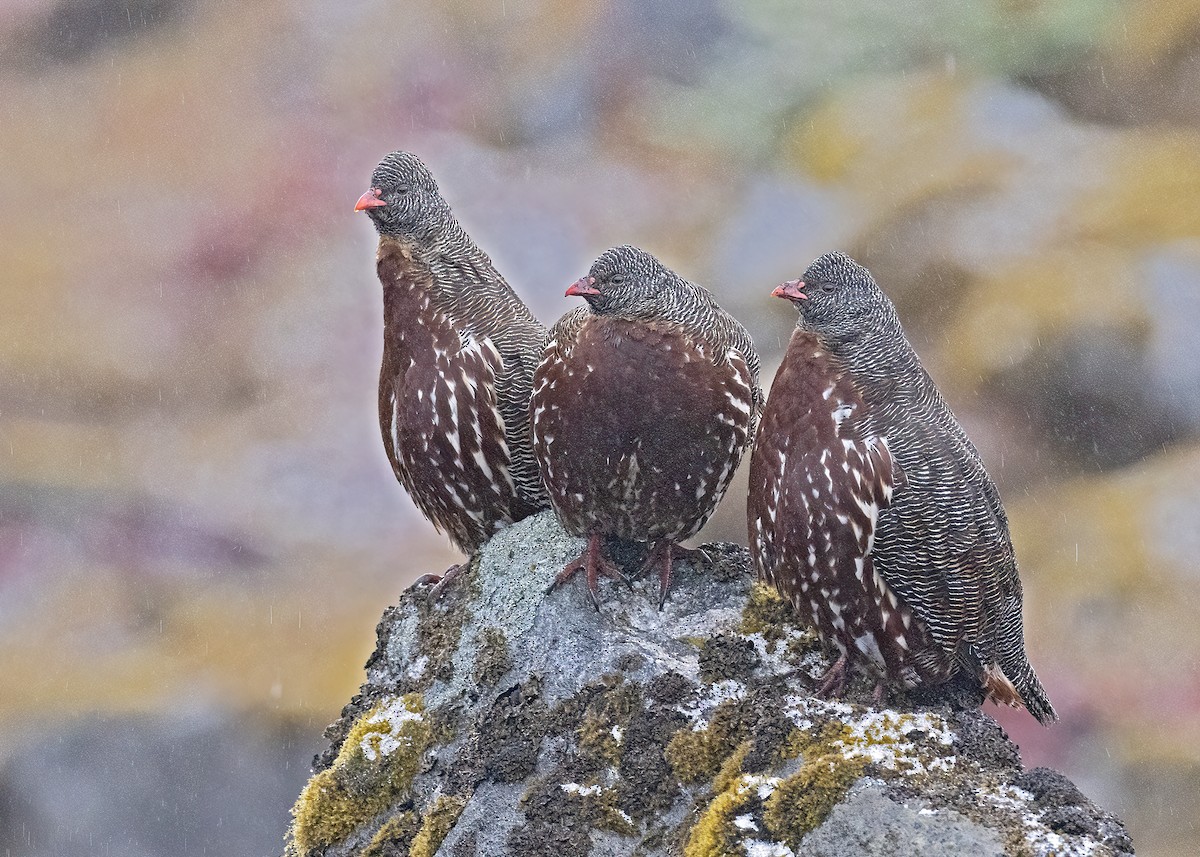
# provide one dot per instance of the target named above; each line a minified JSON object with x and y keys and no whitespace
{"x":450,"y":276}
{"x":685,"y":306}
{"x":883,"y":361}
{"x":408,"y":285}
{"x":438,"y":242}
{"x":452,"y":261}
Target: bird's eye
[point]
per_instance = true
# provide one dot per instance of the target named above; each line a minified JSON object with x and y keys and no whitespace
{"x":403,"y":189}
{"x":828,"y":287}
{"x":617,"y":279}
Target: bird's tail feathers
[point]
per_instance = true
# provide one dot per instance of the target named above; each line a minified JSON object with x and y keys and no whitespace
{"x":1033,"y":695}
{"x":1007,"y":655}
{"x":1026,"y":691}
{"x":1023,"y":689}
{"x":998,"y":688}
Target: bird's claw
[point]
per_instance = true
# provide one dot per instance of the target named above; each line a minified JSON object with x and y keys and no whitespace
{"x":833,"y":683}
{"x":437,"y":583}
{"x":664,"y":554}
{"x":423,"y":581}
{"x":593,"y":563}
{"x":449,"y":577}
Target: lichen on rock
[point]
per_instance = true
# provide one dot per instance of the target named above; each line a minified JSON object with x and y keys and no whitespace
{"x":438,"y":821}
{"x":501,"y":719}
{"x":375,"y":765}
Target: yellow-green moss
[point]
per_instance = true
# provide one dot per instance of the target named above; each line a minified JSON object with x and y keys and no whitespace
{"x":697,"y":755}
{"x":615,"y":707}
{"x":731,"y":768}
{"x":375,"y":766}
{"x":693,"y":755}
{"x":821,"y":740}
{"x":438,"y":822}
{"x":611,"y":816}
{"x":396,"y":831}
{"x":803,"y":800}
{"x":766,"y":613}
{"x":795,"y":806}
{"x":798,"y":803}
{"x":714,"y":834}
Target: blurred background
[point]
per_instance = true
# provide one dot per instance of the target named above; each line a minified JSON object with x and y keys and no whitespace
{"x":198,"y":526}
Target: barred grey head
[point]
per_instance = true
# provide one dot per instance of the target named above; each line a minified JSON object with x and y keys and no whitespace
{"x":838,"y":299}
{"x":629,"y":282}
{"x":403,"y":200}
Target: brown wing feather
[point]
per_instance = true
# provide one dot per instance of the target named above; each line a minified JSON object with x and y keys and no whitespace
{"x":438,"y":411}
{"x":819,"y":480}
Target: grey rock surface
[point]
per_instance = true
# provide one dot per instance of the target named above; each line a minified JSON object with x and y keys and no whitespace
{"x":869,"y":822}
{"x":500,"y":719}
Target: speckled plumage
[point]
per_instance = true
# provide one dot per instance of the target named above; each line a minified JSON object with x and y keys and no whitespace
{"x":459,"y":353}
{"x":871,"y":509}
{"x":643,"y":405}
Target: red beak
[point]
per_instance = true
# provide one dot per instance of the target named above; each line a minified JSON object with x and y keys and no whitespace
{"x":792,"y":290}
{"x":370,"y":199}
{"x":583,"y":287}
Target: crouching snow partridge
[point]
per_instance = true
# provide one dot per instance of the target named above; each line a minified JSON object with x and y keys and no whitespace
{"x":643,"y":404}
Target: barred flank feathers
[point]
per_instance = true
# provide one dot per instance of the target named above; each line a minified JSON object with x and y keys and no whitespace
{"x":941,"y":544}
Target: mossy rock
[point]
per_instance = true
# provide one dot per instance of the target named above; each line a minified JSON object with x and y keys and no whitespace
{"x":376,"y":765}
{"x":550,"y":728}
